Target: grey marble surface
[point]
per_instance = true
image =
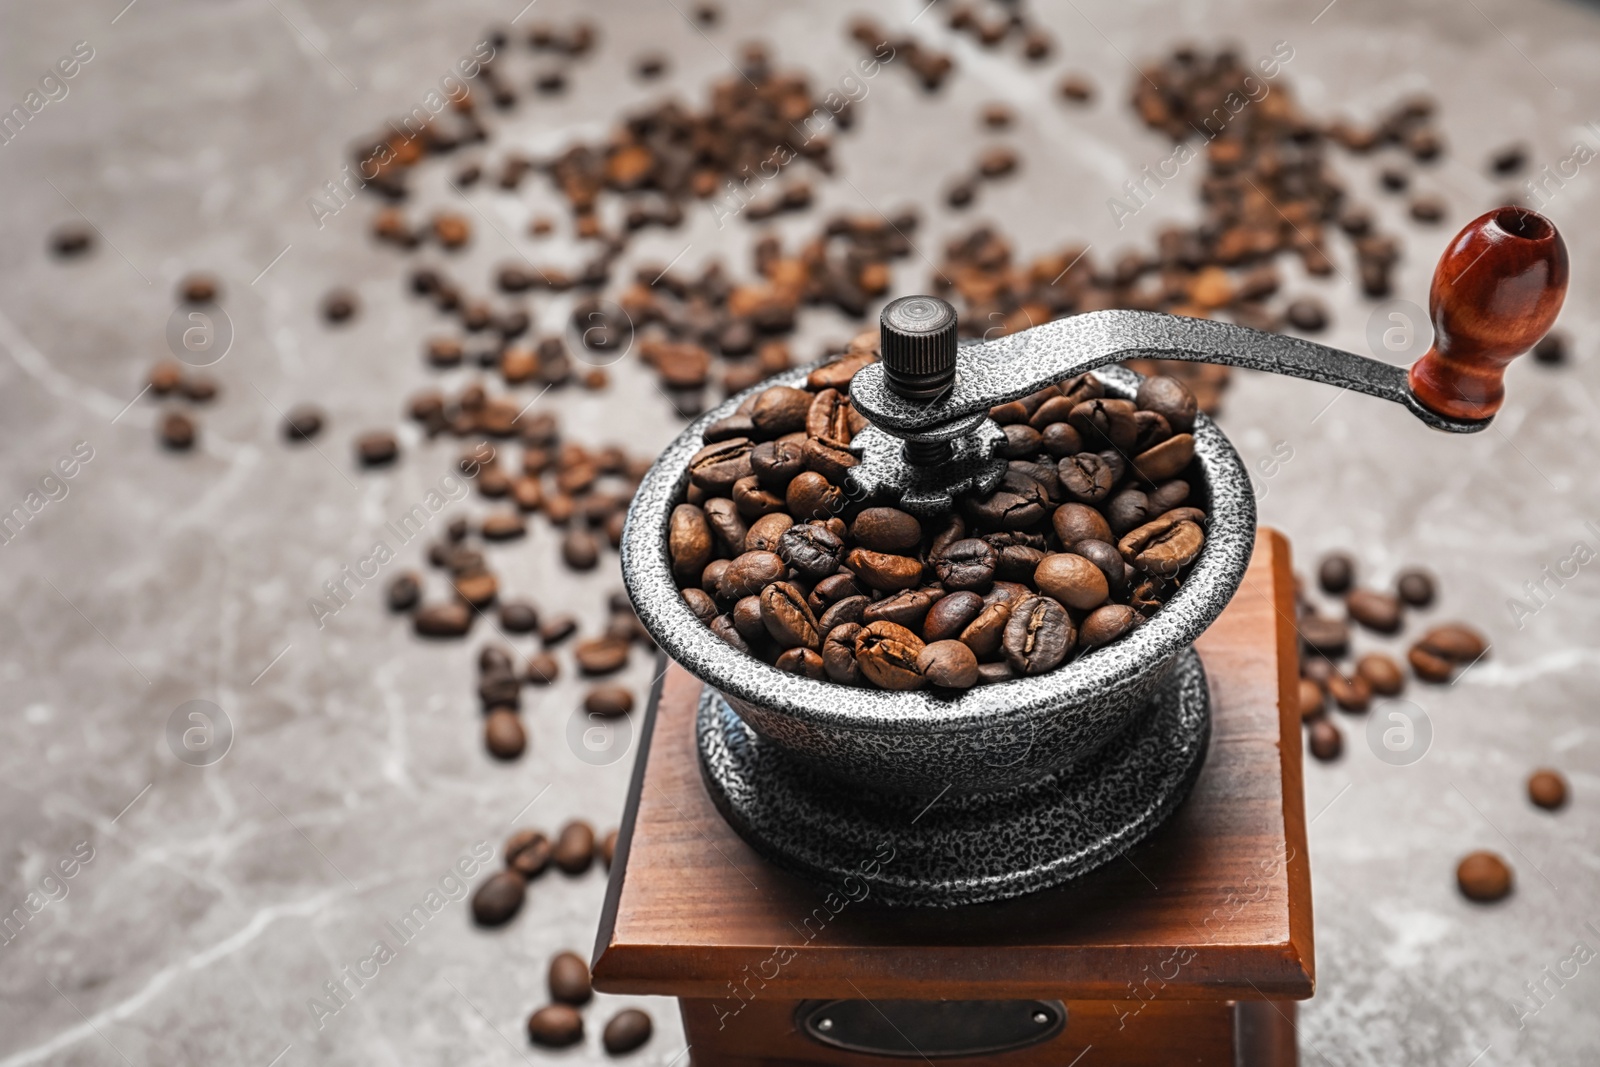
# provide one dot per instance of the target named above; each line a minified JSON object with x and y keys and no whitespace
{"x":217,"y":900}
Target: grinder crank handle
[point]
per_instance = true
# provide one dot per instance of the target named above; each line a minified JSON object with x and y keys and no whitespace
{"x":1496,"y":292}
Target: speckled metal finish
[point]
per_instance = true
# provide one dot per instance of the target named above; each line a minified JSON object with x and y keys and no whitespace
{"x":960,"y":849}
{"x":1013,"y":366}
{"x":972,"y":467}
{"x":988,"y":738}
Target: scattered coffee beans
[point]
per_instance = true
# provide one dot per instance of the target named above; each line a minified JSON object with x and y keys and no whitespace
{"x":569,"y":979}
{"x":1484,"y":877}
{"x":555,"y":1026}
{"x":498,"y":898}
{"x":1548,"y":789}
{"x":574,"y":852}
{"x":627,"y":1030}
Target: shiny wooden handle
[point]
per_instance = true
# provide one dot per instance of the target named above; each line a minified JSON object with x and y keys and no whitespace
{"x":1496,"y":292}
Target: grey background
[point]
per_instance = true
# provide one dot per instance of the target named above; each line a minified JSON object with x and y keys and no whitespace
{"x":219,"y":899}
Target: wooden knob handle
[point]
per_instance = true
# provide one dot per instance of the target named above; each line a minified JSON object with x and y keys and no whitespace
{"x":1496,"y":291}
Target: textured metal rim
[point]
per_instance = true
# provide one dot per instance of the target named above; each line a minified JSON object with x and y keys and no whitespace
{"x":1216,"y":575}
{"x":968,"y":848}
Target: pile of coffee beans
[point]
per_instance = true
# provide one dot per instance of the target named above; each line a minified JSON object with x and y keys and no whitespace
{"x":1093,"y":527}
{"x":992,"y":24}
{"x":559,"y":1024}
{"x":1325,"y":641}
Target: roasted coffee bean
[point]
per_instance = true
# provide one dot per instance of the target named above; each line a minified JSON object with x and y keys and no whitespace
{"x":574,"y":851}
{"x":724,"y":627}
{"x":948,"y":664}
{"x":303,"y":422}
{"x":1018,"y":503}
{"x":404,"y":591}
{"x":503,"y":526}
{"x":811,"y":496}
{"x":832,"y":589}
{"x":1017,"y":562}
{"x":608,"y":847}
{"x":1128,"y":510}
{"x":1376,"y":611}
{"x":1149,"y":594}
{"x":802,"y":661}
{"x":1168,"y":496}
{"x":887,"y":653}
{"x":1353,"y":693}
{"x":1336,"y":573}
{"x":786,"y":617}
{"x":967,"y":564}
{"x":700,"y":603}
{"x":688,"y":542}
{"x":752,"y":501}
{"x":1166,"y":459}
{"x":503,"y":734}
{"x":1104,"y":555}
{"x":1415,"y":586}
{"x":908,"y":608}
{"x":951,"y":614}
{"x":830,"y":418}
{"x":555,"y":1026}
{"x":886,"y":530}
{"x":811,"y":549}
{"x":766,"y":532}
{"x":1326,"y":740}
{"x":1317,"y":668}
{"x":1022,"y":442}
{"x":1324,"y":636}
{"x":339,"y":305}
{"x":850,"y":609}
{"x":985,"y":634}
{"x":568,"y":979}
{"x":1153,"y":429}
{"x":779,"y":410}
{"x":998,"y":671}
{"x":1381,"y":673}
{"x":1080,"y":522}
{"x":749,"y":573}
{"x":518,"y":617}
{"x":177,"y":431}
{"x":1484,"y":877}
{"x":498,"y":898}
{"x":1430,"y":666}
{"x":1060,"y":439}
{"x":443,"y":620}
{"x":1313,"y":700}
{"x":1106,"y":423}
{"x":1548,"y":789}
{"x":1039,"y":634}
{"x":1086,"y":477}
{"x":839,"y":654}
{"x":499,"y":687}
{"x":1169,"y":398}
{"x":1308,"y":315}
{"x":627,"y":1030}
{"x":883,"y":571}
{"x":1455,"y":642}
{"x":1551,"y":350}
{"x":717,"y":466}
{"x":580,"y":549}
{"x":1107,"y":623}
{"x":377,"y":448}
{"x":608,"y":701}
{"x":776,"y":463}
{"x":1165,"y":545}
{"x":1073,"y":580}
{"x":601,"y":655}
{"x":542,"y":668}
{"x":726,"y":526}
{"x":527,"y":853}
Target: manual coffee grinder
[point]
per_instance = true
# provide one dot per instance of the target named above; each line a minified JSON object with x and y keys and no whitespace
{"x":897,"y":806}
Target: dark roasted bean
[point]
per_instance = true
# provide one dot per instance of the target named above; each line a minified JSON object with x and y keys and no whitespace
{"x":839,"y":653}
{"x":568,"y":979}
{"x":1038,"y":635}
{"x":887,"y":653}
{"x":498,"y":898}
{"x":786,"y":617}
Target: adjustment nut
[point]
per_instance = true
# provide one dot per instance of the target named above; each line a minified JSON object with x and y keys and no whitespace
{"x":918,"y":343}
